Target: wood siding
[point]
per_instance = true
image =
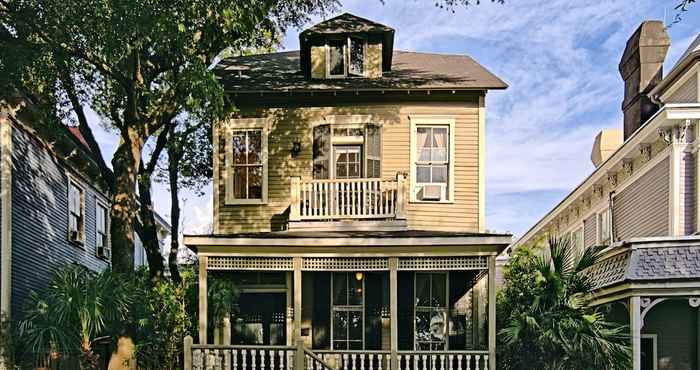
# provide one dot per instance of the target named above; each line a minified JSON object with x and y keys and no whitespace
{"x":686,"y":93}
{"x":642,"y":208}
{"x":40,"y":243}
{"x":590,"y":231}
{"x":687,"y":194}
{"x":294,"y":123}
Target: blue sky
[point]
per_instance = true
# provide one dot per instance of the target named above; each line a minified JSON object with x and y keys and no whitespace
{"x":560,"y":59}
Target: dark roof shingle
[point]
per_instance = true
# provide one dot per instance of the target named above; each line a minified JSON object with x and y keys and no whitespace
{"x":279,"y":72}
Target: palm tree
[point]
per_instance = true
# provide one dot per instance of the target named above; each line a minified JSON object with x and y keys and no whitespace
{"x":545,"y":314}
{"x":76,"y":309}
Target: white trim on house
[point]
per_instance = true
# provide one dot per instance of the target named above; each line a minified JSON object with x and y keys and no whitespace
{"x":82,"y":228}
{"x":655,"y":341}
{"x":245,"y":124}
{"x":6,"y":211}
{"x":108,"y":243}
{"x":675,"y":85}
{"x":432,"y":121}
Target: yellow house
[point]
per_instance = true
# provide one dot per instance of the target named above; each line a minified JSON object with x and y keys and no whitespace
{"x":349,"y":209}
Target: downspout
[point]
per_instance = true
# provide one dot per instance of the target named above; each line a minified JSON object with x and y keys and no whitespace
{"x":6,"y":214}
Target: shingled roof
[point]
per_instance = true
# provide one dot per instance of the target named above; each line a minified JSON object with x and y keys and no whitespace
{"x":280,"y":72}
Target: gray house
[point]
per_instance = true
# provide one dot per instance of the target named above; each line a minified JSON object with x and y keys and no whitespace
{"x":641,"y":202}
{"x":54,"y":209}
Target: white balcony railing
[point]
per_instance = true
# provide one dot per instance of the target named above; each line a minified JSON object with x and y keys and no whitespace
{"x":340,"y":199}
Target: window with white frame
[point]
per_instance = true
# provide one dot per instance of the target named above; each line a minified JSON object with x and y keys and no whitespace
{"x":246,"y":157}
{"x":348,"y":311}
{"x":76,"y":212}
{"x":102,"y":231}
{"x":432,"y":148}
{"x":345,"y":57}
{"x":345,"y":151}
{"x":577,"y":239}
{"x":604,"y":227}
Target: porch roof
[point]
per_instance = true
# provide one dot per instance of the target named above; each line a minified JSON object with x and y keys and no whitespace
{"x":358,"y":242}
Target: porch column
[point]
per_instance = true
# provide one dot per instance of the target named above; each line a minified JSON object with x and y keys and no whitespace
{"x":203,"y":299}
{"x":394,"y":318}
{"x":492,"y":313}
{"x":635,"y":331}
{"x":299,"y":358}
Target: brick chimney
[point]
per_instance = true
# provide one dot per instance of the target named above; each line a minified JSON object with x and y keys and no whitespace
{"x":641,"y":68}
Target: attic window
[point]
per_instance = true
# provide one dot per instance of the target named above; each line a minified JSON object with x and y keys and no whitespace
{"x":346,"y":57}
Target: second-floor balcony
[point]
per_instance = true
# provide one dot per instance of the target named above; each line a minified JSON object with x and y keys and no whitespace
{"x":349,"y":199}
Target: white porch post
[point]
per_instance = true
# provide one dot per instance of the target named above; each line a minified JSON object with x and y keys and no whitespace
{"x":492,"y":312}
{"x":299,"y":358}
{"x":203,"y":299}
{"x":394,"y":319}
{"x":635,"y":331}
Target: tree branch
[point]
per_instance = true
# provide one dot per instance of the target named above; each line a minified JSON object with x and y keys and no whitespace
{"x":161,"y":141}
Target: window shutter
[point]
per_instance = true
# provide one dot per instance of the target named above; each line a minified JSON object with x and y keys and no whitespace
{"x":322,"y":151}
{"x":373,"y":150}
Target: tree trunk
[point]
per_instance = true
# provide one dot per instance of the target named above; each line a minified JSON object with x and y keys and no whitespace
{"x":148,"y":232}
{"x":124,"y":206}
{"x":173,"y":172}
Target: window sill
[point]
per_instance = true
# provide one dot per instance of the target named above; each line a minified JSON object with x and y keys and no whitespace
{"x":78,"y":243}
{"x":245,"y":202}
{"x":416,"y":201}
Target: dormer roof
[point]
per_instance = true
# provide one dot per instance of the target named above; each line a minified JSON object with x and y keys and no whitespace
{"x":344,"y":25}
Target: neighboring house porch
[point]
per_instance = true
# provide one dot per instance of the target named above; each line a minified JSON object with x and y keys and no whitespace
{"x":408,"y":300}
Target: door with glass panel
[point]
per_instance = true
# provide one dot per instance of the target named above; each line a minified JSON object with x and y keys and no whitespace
{"x":430,"y":312}
{"x":347,"y":302}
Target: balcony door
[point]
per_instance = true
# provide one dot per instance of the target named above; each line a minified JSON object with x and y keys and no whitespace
{"x":347,"y":151}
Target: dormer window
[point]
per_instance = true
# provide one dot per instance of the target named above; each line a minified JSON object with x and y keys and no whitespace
{"x":345,"y":57}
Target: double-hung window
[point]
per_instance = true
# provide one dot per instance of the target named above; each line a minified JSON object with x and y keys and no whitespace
{"x":102,"y":231}
{"x":432,"y":148}
{"x":430,"y":314}
{"x":246,"y":157}
{"x":345,"y":57}
{"x":348,"y":311}
{"x":577,"y":239}
{"x":76,"y":213}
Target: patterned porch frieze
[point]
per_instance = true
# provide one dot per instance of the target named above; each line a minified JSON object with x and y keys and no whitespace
{"x":444,"y":263}
{"x":344,"y":264}
{"x":250,"y":263}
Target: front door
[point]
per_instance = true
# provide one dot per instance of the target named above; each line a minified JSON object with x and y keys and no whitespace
{"x":261,"y":319}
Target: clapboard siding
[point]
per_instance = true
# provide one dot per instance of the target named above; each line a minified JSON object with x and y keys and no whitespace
{"x":686,"y":93}
{"x":642,"y":208}
{"x":40,"y":220}
{"x":590,"y":231}
{"x":289,"y":124}
{"x":687,"y":194}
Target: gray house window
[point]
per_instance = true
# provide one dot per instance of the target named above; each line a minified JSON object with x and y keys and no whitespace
{"x":76,"y":213}
{"x":102,"y":231}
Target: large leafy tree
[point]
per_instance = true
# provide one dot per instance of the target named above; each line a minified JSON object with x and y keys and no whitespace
{"x":138,"y":65}
{"x":545,"y":317}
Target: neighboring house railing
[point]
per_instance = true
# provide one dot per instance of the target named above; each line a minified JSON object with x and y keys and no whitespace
{"x":339,"y":199}
{"x":261,"y":357}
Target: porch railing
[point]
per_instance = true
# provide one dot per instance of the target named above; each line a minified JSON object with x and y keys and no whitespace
{"x":443,"y":360}
{"x":259,"y":357}
{"x":235,"y":357}
{"x":340,"y":199}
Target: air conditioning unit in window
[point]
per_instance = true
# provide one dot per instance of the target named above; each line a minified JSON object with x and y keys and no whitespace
{"x":434,"y":192}
{"x":74,"y":236}
{"x":103,"y":252}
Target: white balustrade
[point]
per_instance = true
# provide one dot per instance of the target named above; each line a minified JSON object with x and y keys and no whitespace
{"x":228,"y":357}
{"x":339,"y":199}
{"x":443,"y":360}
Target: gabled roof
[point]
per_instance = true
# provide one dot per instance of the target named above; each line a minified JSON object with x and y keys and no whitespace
{"x":279,"y":72}
{"x":685,"y":61}
{"x":347,"y":23}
